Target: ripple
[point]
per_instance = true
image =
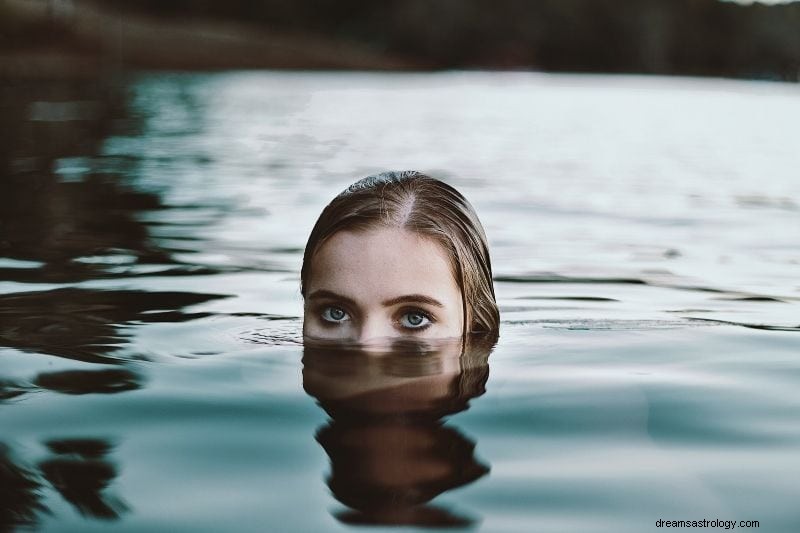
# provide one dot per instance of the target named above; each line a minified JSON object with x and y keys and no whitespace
{"x":88,"y":325}
{"x":603,"y":324}
{"x":752,"y":299}
{"x":748,"y":325}
{"x":284,"y":331}
{"x":556,"y":278}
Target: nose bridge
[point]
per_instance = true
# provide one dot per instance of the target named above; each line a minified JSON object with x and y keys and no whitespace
{"x":374,"y":326}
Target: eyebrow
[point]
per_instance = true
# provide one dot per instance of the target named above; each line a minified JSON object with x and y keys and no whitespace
{"x":407,"y":298}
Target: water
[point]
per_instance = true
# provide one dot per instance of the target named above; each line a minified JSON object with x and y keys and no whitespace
{"x":645,"y":237}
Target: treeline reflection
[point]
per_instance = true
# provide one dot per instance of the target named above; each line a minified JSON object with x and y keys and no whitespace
{"x":69,"y":214}
{"x":87,"y":325}
{"x":79,"y":470}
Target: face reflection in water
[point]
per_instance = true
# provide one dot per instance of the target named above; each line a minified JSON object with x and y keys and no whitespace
{"x":371,"y":286}
{"x":390,"y":453}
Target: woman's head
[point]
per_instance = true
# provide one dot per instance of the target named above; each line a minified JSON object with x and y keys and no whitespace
{"x":398,"y":253}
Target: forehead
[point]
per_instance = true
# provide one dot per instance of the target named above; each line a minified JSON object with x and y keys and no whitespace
{"x":383,"y":263}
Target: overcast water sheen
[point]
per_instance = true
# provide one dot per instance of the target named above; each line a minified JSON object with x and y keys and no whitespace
{"x":645,"y":235}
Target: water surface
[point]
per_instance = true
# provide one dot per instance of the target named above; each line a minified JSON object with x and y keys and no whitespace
{"x":645,"y":234}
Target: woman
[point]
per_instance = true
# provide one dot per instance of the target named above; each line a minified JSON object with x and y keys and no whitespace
{"x":399,"y":254}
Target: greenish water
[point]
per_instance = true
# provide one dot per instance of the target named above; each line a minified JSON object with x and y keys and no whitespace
{"x":645,"y":234}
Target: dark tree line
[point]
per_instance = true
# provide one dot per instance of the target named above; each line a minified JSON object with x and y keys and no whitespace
{"x":704,"y":37}
{"x":694,"y":37}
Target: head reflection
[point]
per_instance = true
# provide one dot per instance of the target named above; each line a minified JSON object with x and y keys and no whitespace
{"x":389,"y":449}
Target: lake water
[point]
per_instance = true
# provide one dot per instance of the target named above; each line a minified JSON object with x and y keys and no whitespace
{"x":645,"y":234}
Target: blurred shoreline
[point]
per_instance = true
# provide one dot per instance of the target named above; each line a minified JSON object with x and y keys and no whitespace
{"x":80,"y":39}
{"x":43,"y":39}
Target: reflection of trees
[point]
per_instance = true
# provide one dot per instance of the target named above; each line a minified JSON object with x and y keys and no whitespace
{"x":59,"y":201}
{"x":19,"y":493}
{"x":76,"y":382}
{"x":56,"y":223}
{"x":80,"y":472}
{"x":109,"y":381}
{"x":69,"y":217}
{"x":83,"y":324}
{"x":390,"y":451}
{"x":78,"y":469}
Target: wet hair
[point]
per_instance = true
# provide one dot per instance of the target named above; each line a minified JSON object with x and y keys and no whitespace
{"x":428,"y":207}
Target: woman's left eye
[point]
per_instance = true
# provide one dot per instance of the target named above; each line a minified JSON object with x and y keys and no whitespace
{"x":414,"y":320}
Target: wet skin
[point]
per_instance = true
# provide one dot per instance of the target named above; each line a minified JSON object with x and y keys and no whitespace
{"x":369,"y":287}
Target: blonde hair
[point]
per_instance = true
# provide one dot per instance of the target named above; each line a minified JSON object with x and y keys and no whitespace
{"x":429,"y":207}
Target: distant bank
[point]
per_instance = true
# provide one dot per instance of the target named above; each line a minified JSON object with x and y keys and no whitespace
{"x":41,"y":38}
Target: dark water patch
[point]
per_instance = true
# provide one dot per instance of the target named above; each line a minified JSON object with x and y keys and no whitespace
{"x":285,"y":250}
{"x":81,"y":473}
{"x":20,"y":493}
{"x":85,"y":448}
{"x":75,"y":272}
{"x":556,"y":278}
{"x":698,"y":288}
{"x":78,"y":469}
{"x":752,"y":299}
{"x":216,"y":208}
{"x":174,"y":236}
{"x":64,"y":111}
{"x":265,"y":316}
{"x":171,"y":316}
{"x":60,"y":198}
{"x":55,"y":222}
{"x":76,"y":382}
{"x":767,"y":202}
{"x":767,"y":327}
{"x":187,"y":269}
{"x":87,"y":325}
{"x":28,"y":110}
{"x":183,"y":270}
{"x":197,"y":354}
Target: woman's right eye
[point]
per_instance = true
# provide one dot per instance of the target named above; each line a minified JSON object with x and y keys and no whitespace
{"x":334,"y":314}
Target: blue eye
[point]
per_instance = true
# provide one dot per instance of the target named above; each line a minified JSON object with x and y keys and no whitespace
{"x":415,"y":320}
{"x":334,"y":314}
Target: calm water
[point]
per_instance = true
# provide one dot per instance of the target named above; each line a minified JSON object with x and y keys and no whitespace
{"x":646,"y":242}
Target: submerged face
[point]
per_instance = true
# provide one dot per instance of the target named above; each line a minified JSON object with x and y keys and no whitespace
{"x":376,"y":285}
